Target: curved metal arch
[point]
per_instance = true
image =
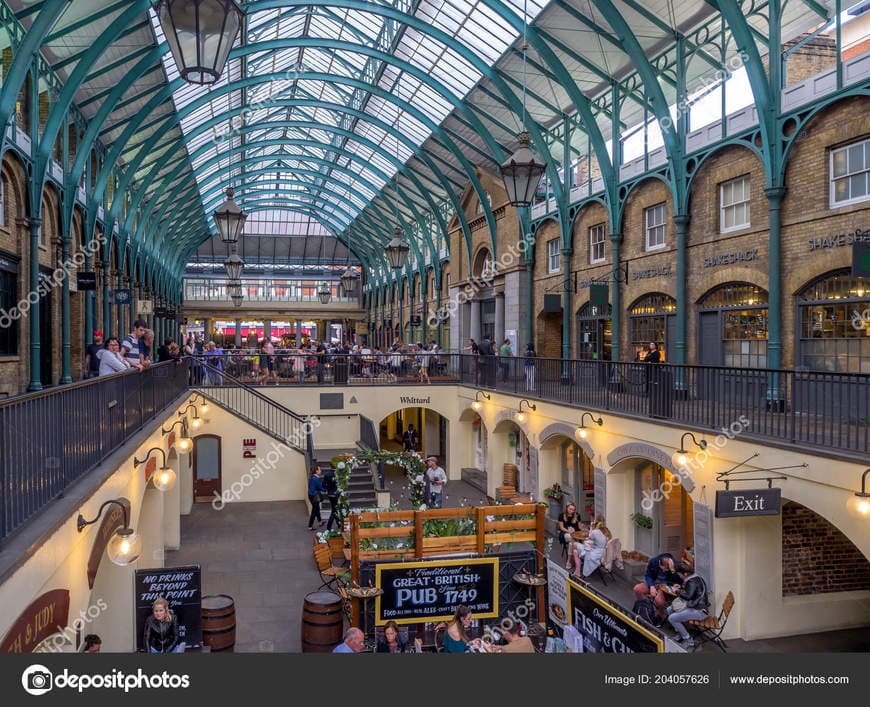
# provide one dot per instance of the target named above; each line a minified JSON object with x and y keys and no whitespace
{"x":417,"y":151}
{"x":257,"y":160}
{"x":577,"y":209}
{"x":146,"y":148}
{"x":22,"y":59}
{"x":58,"y":112}
{"x":745,"y":143}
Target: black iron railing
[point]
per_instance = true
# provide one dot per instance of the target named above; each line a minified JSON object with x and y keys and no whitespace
{"x":50,"y":439}
{"x":811,"y":408}
{"x":250,"y":404}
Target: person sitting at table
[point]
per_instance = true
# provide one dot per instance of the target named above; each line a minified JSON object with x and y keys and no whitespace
{"x":516,"y":643}
{"x":456,"y":640}
{"x":694,"y":594}
{"x":659,"y":570}
{"x":569,"y":522}
{"x":392,"y":641}
{"x":591,"y":550}
{"x":354,"y":641}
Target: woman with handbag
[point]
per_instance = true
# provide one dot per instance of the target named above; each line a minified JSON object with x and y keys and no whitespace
{"x":690,"y":603}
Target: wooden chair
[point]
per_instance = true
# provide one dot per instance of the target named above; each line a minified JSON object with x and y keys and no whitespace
{"x":710,"y":628}
{"x":330,"y":574}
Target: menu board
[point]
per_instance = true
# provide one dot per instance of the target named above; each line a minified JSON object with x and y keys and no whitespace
{"x":605,"y":628}
{"x":557,"y":587}
{"x":418,"y":592}
{"x":703,"y":538}
{"x":181,"y":587}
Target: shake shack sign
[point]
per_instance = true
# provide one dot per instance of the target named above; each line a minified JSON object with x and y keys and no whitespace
{"x":841,"y":239}
{"x":417,"y":592}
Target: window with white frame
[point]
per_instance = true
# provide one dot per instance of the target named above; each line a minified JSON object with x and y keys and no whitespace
{"x":734,"y":204}
{"x":654,"y":218}
{"x":597,"y":251}
{"x":554,"y":259}
{"x":850,"y":174}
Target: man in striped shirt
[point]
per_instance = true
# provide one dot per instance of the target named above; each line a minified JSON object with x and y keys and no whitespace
{"x":130,"y":344}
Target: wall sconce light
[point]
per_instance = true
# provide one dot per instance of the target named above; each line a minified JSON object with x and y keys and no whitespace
{"x":519,"y":415}
{"x":204,"y":407}
{"x":125,"y":545}
{"x":164,"y":478}
{"x":196,"y":422}
{"x":184,"y":443}
{"x":859,"y":502}
{"x":679,"y":457}
{"x":476,"y":405}
{"x":582,"y":431}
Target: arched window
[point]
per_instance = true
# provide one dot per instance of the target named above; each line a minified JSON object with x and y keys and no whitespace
{"x":834,"y":324}
{"x":732,"y":326}
{"x":650,"y":318}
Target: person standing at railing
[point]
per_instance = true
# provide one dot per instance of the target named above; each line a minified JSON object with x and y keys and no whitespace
{"x":110,"y":358}
{"x":529,"y":366}
{"x":487,"y":362}
{"x":198,"y":351}
{"x":214,"y":356}
{"x":505,"y":353}
{"x":130,"y":344}
{"x":146,"y":346}
{"x":91,"y":368}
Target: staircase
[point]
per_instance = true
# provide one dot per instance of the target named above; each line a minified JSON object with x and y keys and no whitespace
{"x":360,"y":488}
{"x":258,"y":410}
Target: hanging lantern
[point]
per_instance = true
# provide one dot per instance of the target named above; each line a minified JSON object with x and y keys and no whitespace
{"x":349,"y":278}
{"x":234,"y":265}
{"x":237,"y":300}
{"x":234,"y":288}
{"x":230,"y":219}
{"x":522,"y":172}
{"x":200,"y":34}
{"x":324,"y":292}
{"x":397,"y":250}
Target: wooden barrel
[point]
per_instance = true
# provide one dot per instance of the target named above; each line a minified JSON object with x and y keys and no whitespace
{"x":219,"y":622}
{"x":322,"y":622}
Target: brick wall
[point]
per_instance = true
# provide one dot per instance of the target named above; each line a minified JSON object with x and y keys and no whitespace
{"x":816,"y":557}
{"x":812,"y":58}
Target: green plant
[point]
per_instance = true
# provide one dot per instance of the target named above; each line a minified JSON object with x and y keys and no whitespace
{"x":641,"y":520}
{"x":554,"y":493}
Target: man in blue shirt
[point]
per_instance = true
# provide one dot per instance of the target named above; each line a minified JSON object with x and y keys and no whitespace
{"x":315,"y":487}
{"x":353,"y":642}
{"x":659,"y":570}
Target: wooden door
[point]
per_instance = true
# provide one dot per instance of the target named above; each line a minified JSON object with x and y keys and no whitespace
{"x":206,"y":467}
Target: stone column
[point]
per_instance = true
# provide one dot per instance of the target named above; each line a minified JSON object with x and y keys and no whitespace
{"x":499,"y":318}
{"x":475,"y":321}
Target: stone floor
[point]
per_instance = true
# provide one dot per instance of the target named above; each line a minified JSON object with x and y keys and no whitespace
{"x":260,"y":554}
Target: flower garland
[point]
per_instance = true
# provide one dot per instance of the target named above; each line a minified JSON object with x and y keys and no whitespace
{"x":411,"y":462}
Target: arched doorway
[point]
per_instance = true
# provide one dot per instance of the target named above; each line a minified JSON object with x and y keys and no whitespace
{"x":206,"y":468}
{"x":732,"y":326}
{"x":517,"y":457}
{"x":567,"y":463}
{"x":432,"y":431}
{"x":652,"y":318}
{"x":661,"y":498}
{"x":833,"y":333}
{"x":474,"y":441}
{"x":593,"y":333}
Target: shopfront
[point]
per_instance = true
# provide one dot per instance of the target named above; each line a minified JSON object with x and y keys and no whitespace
{"x":833,"y":315}
{"x":732,"y":326}
{"x":593,"y":333}
{"x":652,"y":318}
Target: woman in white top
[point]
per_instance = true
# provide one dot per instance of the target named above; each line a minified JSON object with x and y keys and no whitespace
{"x":110,"y":358}
{"x":592,"y":549}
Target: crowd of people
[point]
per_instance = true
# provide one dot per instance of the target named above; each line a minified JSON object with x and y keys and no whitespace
{"x":493,"y":360}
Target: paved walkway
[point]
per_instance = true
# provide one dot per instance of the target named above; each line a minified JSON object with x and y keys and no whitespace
{"x":259,"y":554}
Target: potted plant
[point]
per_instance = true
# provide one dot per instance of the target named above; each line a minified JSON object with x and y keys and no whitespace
{"x":642,"y":521}
{"x":556,"y":496}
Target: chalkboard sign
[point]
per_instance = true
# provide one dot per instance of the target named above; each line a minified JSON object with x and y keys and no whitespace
{"x":182,"y":588}
{"x":606,"y":629}
{"x":702,"y":530}
{"x":417,"y":592}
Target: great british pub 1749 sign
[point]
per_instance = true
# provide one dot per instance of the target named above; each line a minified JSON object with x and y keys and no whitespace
{"x":417,"y":592}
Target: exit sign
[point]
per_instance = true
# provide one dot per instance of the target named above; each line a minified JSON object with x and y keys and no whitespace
{"x":861,"y":259}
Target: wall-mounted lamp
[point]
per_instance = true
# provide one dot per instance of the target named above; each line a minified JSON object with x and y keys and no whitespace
{"x":204,"y":407}
{"x":164,"y":478}
{"x":196,"y":422}
{"x":476,"y":405}
{"x":125,"y":545}
{"x":679,"y":457}
{"x":582,"y":431}
{"x":184,"y":443}
{"x":859,"y":502}
{"x":519,"y":415}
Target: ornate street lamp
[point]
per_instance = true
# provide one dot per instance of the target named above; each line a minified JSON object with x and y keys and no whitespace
{"x":324,"y":292}
{"x":237,"y":300}
{"x":397,"y":250}
{"x":230,"y":219}
{"x":521,"y":173}
{"x":234,"y":288}
{"x":349,"y":278}
{"x":234,"y":265}
{"x":125,"y":545}
{"x":200,"y":34}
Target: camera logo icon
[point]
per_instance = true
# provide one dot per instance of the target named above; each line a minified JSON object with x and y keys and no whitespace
{"x":37,"y":680}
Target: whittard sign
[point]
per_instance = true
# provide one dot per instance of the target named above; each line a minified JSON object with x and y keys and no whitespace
{"x":606,"y":629}
{"x":416,"y":592}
